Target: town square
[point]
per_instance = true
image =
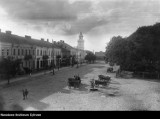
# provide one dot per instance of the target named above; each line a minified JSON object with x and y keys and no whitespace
{"x":79,"y":55}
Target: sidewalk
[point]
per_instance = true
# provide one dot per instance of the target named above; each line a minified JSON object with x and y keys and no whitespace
{"x":33,"y":75}
{"x":27,"y":76}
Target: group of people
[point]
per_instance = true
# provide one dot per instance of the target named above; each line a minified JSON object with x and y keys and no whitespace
{"x":25,"y":94}
{"x":92,"y":83}
{"x":77,"y":77}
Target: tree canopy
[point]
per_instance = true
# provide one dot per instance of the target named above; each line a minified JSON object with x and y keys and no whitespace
{"x":90,"y":57}
{"x":9,"y":67}
{"x":138,"y":52}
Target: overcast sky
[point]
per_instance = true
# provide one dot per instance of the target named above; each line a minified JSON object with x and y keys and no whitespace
{"x":98,"y":20}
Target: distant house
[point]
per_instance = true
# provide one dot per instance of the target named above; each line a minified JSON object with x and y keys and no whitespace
{"x":100,"y":55}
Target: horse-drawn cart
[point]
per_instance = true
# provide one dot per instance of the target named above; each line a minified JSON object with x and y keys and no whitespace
{"x":102,"y":77}
{"x":103,"y":80}
{"x":99,"y":82}
{"x":74,"y":82}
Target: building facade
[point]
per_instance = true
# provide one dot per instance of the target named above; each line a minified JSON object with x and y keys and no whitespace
{"x":33,"y":53}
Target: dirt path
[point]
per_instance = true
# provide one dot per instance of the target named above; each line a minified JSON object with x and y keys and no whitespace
{"x":49,"y":92}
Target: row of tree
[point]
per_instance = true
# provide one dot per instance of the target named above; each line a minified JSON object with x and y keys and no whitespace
{"x":138,"y":52}
{"x":90,"y":57}
{"x":9,"y":67}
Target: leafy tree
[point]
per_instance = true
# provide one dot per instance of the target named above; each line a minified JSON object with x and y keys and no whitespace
{"x":9,"y":67}
{"x":116,"y":51}
{"x":138,"y":52}
{"x":90,"y":57}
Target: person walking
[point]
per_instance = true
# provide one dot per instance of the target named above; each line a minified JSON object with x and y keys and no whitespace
{"x":30,"y":72}
{"x":26,"y":93}
{"x":23,"y":91}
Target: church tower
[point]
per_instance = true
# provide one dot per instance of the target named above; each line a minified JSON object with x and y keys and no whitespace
{"x":80,"y":42}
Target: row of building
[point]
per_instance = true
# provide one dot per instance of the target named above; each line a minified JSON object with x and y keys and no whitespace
{"x":32,"y":52}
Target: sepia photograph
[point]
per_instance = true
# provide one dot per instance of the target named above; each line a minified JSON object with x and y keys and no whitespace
{"x":79,"y":55}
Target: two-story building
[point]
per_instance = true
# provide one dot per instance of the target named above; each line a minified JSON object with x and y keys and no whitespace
{"x":31,"y":52}
{"x":17,"y":47}
{"x":67,"y":50}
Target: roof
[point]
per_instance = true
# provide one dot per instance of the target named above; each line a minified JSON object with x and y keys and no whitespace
{"x":15,"y":39}
{"x":65,"y":50}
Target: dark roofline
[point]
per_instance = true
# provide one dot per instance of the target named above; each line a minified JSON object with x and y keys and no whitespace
{"x":12,"y":38}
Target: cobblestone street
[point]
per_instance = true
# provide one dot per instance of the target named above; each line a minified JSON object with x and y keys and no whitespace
{"x":48,"y":92}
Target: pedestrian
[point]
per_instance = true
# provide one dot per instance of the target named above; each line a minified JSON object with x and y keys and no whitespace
{"x":26,"y":93}
{"x":92,"y":83}
{"x":30,"y":72}
{"x":23,"y":94}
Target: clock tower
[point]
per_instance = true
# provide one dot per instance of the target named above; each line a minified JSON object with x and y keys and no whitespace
{"x":80,"y":42}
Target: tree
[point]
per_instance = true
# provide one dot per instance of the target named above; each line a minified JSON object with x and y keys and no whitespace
{"x":117,"y":50}
{"x":90,"y":57}
{"x":9,"y":67}
{"x":138,"y":52}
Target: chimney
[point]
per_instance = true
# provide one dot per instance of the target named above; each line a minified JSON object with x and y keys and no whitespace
{"x":42,"y":39}
{"x":27,"y":37}
{"x":8,"y":32}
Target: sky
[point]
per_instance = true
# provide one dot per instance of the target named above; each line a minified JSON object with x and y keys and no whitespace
{"x":98,"y":20}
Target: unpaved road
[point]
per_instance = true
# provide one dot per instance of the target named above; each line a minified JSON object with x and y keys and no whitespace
{"x":49,"y":92}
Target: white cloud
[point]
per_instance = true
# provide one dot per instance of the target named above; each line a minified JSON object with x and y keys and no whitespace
{"x":97,"y":19}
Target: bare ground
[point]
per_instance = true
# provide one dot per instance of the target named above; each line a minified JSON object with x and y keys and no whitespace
{"x":48,"y":92}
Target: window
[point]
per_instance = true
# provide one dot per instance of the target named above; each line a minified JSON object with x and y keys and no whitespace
{"x":14,"y":52}
{"x":41,"y":52}
{"x":33,"y":52}
{"x":29,"y":52}
{"x":7,"y":51}
{"x":22,"y":52}
{"x":37,"y":52}
{"x":2,"y":52}
{"x":26,"y":51}
{"x":18,"y":51}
